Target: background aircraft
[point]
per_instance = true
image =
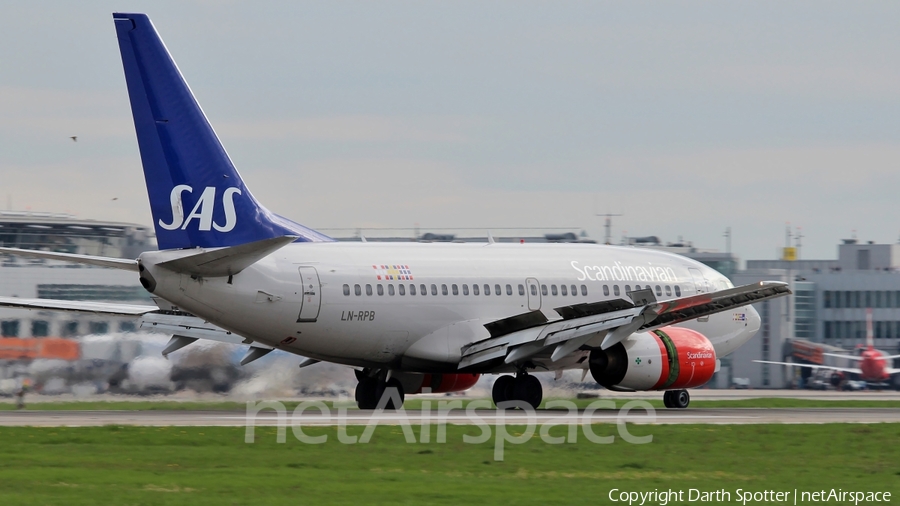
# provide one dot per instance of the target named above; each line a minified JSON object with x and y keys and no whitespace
{"x":874,"y":366}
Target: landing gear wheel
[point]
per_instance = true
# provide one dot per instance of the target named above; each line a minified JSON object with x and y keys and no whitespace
{"x":523,"y":387}
{"x":680,"y":399}
{"x":502,"y":390}
{"x":370,"y":391}
{"x":667,"y":399}
{"x":527,"y":388}
{"x":367,"y":393}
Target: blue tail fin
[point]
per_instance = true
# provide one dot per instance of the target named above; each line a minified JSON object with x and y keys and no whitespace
{"x":196,"y":195}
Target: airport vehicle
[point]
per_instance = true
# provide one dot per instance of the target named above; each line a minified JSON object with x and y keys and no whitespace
{"x":873,"y":364}
{"x":409,"y":317}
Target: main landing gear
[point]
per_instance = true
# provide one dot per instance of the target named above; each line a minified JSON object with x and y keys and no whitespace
{"x":521,"y":387}
{"x":373,"y":390}
{"x":678,"y":399}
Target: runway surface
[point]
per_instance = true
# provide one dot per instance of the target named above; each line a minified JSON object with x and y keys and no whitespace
{"x":313,"y":417}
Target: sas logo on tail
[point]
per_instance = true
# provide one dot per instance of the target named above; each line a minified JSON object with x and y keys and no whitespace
{"x":203,"y":209}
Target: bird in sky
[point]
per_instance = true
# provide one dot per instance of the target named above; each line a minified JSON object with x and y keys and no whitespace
{"x":74,"y":138}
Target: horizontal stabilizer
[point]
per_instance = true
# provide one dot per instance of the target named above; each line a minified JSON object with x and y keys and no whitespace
{"x":115,"y":263}
{"x":226,"y":261}
{"x":77,"y":306}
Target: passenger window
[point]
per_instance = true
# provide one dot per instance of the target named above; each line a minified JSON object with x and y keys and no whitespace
{"x":668,"y":290}
{"x":497,"y":290}
{"x":475,"y":290}
{"x":423,"y":289}
{"x":465,"y":289}
{"x":391,"y":290}
{"x":677,"y":291}
{"x":357,"y":290}
{"x":346,"y":289}
{"x":605,"y":290}
{"x":455,"y":289}
{"x":412,"y":289}
{"x":544,"y":290}
{"x":584,"y":290}
{"x":562,"y":290}
{"x":443,"y":289}
{"x":553,"y":290}
{"x":380,"y":289}
{"x":521,"y":290}
{"x":433,"y":289}
{"x":508,"y":289}
{"x":615,"y":289}
{"x":402,"y":289}
{"x":658,"y":291}
{"x":628,"y":288}
{"x":637,"y":287}
{"x":574,"y":290}
{"x":533,"y":291}
{"x":487,"y":289}
{"x":368,"y":289}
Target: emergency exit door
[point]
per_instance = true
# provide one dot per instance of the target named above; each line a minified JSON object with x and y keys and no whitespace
{"x":312,"y":295}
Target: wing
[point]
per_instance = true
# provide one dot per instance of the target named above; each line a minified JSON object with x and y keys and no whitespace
{"x":520,"y":337}
{"x":184,"y":327}
{"x":813,"y":366}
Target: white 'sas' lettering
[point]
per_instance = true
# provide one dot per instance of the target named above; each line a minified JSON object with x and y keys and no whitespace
{"x":203,"y":209}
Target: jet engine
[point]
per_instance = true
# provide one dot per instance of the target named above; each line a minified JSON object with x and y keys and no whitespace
{"x":666,"y":359}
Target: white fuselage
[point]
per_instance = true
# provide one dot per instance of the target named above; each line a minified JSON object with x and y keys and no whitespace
{"x":363,"y":304}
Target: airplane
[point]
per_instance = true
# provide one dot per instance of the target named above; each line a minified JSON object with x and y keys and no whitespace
{"x":409,"y":318}
{"x":873,"y":364}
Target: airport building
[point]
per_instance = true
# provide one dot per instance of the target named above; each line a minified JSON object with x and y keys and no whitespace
{"x":828,"y":307}
{"x":32,"y":278}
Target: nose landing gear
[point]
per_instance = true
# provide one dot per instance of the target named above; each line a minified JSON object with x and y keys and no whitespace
{"x":678,"y":399}
{"x":521,"y":387}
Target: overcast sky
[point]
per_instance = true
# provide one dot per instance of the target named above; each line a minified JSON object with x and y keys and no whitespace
{"x":685,"y":117}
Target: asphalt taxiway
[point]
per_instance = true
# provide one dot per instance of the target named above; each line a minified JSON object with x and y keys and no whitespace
{"x":313,"y":417}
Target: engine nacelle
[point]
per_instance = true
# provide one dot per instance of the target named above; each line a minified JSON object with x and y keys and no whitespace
{"x":666,"y":359}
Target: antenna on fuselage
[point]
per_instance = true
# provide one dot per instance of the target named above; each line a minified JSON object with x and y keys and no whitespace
{"x":491,"y":238}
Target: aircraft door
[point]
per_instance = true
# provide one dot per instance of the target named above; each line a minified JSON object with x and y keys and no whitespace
{"x":312,"y":295}
{"x":700,"y":282}
{"x":533,"y":290}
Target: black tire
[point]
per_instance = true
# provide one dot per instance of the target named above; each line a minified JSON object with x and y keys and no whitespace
{"x":528,"y":389}
{"x":502,"y":390}
{"x":367,"y":394}
{"x":667,"y":399}
{"x":681,"y":399}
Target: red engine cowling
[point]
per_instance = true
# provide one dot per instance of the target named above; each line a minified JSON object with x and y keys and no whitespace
{"x":666,"y":359}
{"x":441,"y":383}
